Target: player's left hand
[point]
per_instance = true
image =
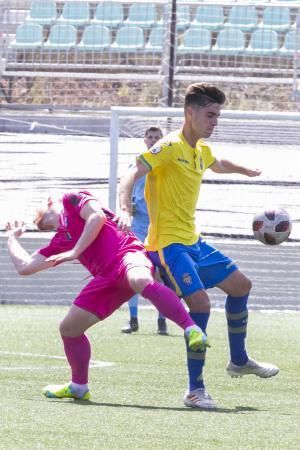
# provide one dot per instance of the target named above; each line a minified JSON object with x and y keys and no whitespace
{"x":252,"y":172}
{"x":123,"y":220}
{"x":62,"y":257}
{"x":16,"y":230}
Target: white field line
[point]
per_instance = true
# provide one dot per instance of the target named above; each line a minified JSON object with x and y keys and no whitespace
{"x":93,"y":363}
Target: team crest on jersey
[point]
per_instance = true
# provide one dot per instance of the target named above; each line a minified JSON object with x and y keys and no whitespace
{"x":187,"y":279}
{"x":155,"y":150}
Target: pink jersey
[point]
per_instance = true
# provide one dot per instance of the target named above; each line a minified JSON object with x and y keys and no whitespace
{"x":106,"y":252}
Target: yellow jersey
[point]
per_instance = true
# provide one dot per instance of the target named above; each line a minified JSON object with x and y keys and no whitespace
{"x":172,"y":189}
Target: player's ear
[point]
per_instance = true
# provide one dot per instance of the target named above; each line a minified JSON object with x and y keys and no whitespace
{"x":50,"y":202}
{"x":188,"y":111}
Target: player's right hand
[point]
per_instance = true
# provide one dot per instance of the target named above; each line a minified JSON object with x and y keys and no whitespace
{"x":123,"y":220}
{"x":16,"y":230}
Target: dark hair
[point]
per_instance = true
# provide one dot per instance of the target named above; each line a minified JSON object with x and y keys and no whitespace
{"x":202,"y":94}
{"x":154,"y":129}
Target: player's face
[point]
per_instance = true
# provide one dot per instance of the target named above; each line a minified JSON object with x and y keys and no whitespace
{"x":151,"y":138}
{"x":204,"y":119}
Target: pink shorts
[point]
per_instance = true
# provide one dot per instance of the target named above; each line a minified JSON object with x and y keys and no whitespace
{"x":104,"y":294}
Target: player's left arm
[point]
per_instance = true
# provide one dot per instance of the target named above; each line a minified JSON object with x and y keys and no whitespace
{"x":226,"y":166}
{"x":25,"y":264}
{"x":94,"y":218}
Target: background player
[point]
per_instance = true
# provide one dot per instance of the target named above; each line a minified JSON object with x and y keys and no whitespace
{"x":175,"y":167}
{"x":119,"y":265}
{"x":139,"y":226}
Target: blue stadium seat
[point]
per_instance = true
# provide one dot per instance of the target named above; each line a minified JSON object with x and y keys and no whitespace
{"x":129,"y":39}
{"x":243,"y":17}
{"x":290,"y":44}
{"x":75,"y":13}
{"x":230,"y":41}
{"x":95,"y":38}
{"x":42,"y":12}
{"x":183,"y":17}
{"x":195,"y":40}
{"x":62,"y":36}
{"x":142,"y":15}
{"x":28,"y":36}
{"x":263,"y":42}
{"x":109,"y":14}
{"x":156,"y":40}
{"x":210,"y":17}
{"x":276,"y":18}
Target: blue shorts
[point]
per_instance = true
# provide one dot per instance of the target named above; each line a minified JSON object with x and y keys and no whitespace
{"x":189,"y":268}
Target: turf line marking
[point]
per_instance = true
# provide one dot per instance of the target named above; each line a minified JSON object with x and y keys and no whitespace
{"x":93,"y":363}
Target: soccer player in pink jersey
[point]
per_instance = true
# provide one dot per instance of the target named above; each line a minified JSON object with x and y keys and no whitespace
{"x":120,"y":268}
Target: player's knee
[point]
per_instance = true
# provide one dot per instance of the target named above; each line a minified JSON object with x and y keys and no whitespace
{"x":139,"y":284}
{"x":244,"y":287}
{"x":198,"y":302}
{"x":66,"y":329}
{"x":138,"y":279}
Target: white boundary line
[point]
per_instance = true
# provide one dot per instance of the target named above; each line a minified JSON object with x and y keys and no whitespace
{"x":93,"y":363}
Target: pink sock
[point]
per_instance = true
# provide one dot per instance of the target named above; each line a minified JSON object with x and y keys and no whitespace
{"x":167,"y":302}
{"x":78,"y":353}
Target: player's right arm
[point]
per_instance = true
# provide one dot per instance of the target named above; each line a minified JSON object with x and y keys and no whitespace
{"x":125,"y":193}
{"x":24,"y":263}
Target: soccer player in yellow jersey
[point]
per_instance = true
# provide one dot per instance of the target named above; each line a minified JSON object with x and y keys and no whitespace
{"x":175,"y":167}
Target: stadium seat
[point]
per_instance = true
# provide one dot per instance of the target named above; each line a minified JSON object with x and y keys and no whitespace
{"x":230,"y":41}
{"x":28,"y":36}
{"x":128,"y":39}
{"x":62,"y":36}
{"x":263,"y":42}
{"x":42,"y":12}
{"x":210,"y":17}
{"x":109,"y":14}
{"x":75,"y":13}
{"x":243,"y":17}
{"x":95,"y":38}
{"x":156,"y":40}
{"x":195,"y":40}
{"x":183,"y":17}
{"x":290,"y":44}
{"x":142,"y":15}
{"x":276,"y":18}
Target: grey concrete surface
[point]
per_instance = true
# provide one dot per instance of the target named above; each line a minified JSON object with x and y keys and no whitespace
{"x":274,"y":272}
{"x":32,"y":166}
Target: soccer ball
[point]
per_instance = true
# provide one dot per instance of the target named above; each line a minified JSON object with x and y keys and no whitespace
{"x":273,"y":226}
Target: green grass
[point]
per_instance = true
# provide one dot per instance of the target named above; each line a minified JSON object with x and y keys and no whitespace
{"x":137,"y":402}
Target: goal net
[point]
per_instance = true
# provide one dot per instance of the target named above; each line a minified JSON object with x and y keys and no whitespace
{"x":227,"y":203}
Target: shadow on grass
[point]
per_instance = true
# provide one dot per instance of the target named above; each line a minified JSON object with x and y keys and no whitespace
{"x":236,"y":410}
